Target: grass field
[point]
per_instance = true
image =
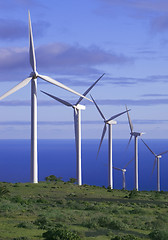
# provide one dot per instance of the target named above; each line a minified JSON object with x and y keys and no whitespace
{"x":63,"y":210}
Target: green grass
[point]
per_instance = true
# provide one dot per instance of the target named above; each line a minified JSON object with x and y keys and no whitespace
{"x":29,"y":210}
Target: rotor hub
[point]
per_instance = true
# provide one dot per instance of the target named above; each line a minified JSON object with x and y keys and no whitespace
{"x":34,"y":74}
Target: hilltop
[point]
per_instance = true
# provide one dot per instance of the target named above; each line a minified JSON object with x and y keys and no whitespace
{"x":56,"y":208}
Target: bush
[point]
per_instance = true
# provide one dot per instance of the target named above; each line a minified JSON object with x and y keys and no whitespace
{"x":72,"y":180}
{"x":126,"y":237}
{"x":3,"y":190}
{"x":60,"y":233}
{"x":91,"y":223}
{"x":21,"y":238}
{"x":133,"y":194}
{"x":158,"y":235}
{"x":24,"y":225}
{"x":112,"y":224}
{"x":18,"y":199}
{"x":53,"y":178}
{"x":42,"y":222}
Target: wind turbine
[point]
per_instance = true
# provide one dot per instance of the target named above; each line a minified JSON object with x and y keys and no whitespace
{"x":77,"y":125}
{"x":108,"y":122}
{"x":135,"y":135}
{"x":123,"y":170}
{"x":157,"y":160}
{"x":33,"y":78}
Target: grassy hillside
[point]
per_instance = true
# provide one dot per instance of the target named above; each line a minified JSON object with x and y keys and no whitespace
{"x":51,"y":209}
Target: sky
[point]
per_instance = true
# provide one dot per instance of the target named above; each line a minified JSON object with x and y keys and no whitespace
{"x":75,"y":43}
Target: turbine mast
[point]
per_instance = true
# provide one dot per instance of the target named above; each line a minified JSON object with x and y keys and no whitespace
{"x":158,"y":174}
{"x":78,"y":146}
{"x":34,"y":164}
{"x":110,"y":164}
{"x":124,"y":185}
{"x":136,"y":162}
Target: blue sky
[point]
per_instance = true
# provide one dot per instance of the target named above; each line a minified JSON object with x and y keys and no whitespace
{"x":76,"y":42}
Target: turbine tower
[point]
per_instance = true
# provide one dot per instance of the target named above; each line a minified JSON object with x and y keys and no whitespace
{"x":123,"y":170}
{"x":135,"y":135}
{"x":108,"y":122}
{"x":33,"y":78}
{"x":77,"y":126}
{"x":157,"y":160}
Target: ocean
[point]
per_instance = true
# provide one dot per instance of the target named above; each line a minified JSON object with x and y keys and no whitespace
{"x":58,"y":157}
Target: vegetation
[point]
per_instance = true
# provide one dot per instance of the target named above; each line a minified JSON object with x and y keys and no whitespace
{"x":63,"y":210}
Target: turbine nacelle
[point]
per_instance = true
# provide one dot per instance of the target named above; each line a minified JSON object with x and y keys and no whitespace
{"x":159,"y":156}
{"x":110,"y":122}
{"x":136,"y":134}
{"x":124,"y":170}
{"x":80,"y":107}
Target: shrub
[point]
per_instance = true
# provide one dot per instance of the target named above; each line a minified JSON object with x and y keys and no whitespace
{"x":112,"y":224}
{"x":158,"y":235}
{"x":60,"y":233}
{"x":18,"y":199}
{"x":21,"y":238}
{"x":24,"y":225}
{"x":133,"y":194}
{"x":137,"y":210}
{"x":3,"y":190}
{"x":72,"y":180}
{"x":53,"y":178}
{"x":91,"y":223}
{"x":126,"y":237}
{"x":42,"y":222}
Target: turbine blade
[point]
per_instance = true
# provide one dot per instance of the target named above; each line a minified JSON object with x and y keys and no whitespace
{"x":117,"y":115}
{"x":129,"y":120}
{"x":50,"y":80}
{"x":17,"y":87}
{"x":88,"y":90}
{"x":163,"y":153}
{"x":128,"y":163}
{"x":103,"y":133}
{"x":58,"y":99}
{"x":149,"y":148}
{"x":153,"y":166}
{"x":31,"y":47}
{"x":98,"y":108}
{"x":117,"y":168}
{"x":129,"y":142}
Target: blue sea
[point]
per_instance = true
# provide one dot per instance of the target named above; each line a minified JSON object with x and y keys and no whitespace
{"x":58,"y":157}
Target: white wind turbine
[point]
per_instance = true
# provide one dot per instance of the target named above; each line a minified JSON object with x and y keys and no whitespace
{"x":135,"y":135}
{"x":157,"y":160}
{"x":123,"y":170}
{"x":108,"y":122}
{"x":33,"y":78}
{"x":77,"y":126}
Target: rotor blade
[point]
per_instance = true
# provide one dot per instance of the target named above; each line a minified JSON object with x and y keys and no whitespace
{"x":129,"y":120}
{"x":117,"y":168}
{"x":50,"y":80}
{"x":31,"y":47}
{"x":128,"y":163}
{"x":98,"y":108}
{"x":149,"y":148}
{"x":58,"y":99}
{"x":153,"y":166}
{"x":17,"y":87}
{"x":103,"y":133}
{"x":129,"y":142}
{"x":163,"y":153}
{"x":117,"y":115}
{"x":88,"y":90}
